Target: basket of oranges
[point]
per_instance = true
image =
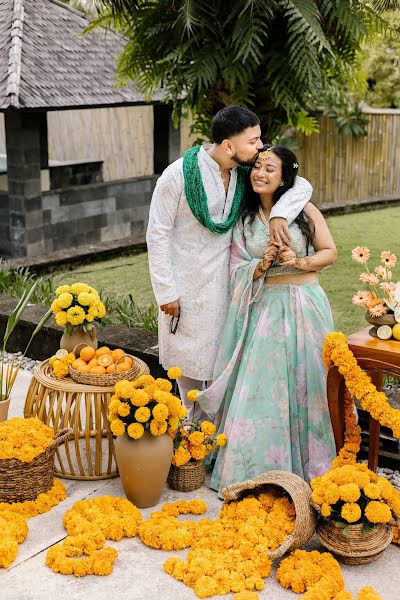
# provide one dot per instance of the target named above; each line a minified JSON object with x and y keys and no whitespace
{"x":102,"y":366}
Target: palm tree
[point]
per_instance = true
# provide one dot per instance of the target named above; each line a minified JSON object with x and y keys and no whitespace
{"x":281,"y":57}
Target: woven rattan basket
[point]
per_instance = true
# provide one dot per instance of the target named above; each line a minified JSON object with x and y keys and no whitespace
{"x":21,"y":481}
{"x":356,"y":548}
{"x":108,"y":379}
{"x":300,"y":494}
{"x":188,"y":477}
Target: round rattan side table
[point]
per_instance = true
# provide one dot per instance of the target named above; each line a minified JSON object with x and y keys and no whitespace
{"x":62,"y":403}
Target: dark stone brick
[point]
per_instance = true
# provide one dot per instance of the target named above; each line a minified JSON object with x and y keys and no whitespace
{"x":33,"y":236}
{"x":34,"y":203}
{"x":17,"y":220}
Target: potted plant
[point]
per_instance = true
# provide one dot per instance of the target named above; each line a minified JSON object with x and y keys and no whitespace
{"x":144,"y":416}
{"x":9,"y":370}
{"x":358,"y":509}
{"x":77,"y":308}
{"x":382,"y":298}
{"x":192,"y":443}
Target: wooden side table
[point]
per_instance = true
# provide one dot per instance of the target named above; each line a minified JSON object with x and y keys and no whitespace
{"x":63,"y":403}
{"x":377,"y":357}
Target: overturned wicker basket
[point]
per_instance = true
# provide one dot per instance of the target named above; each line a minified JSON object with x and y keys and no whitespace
{"x":300,"y":494}
{"x":21,"y":481}
{"x":188,"y":477}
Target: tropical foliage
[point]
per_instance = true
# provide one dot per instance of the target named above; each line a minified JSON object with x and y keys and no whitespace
{"x":281,"y":57}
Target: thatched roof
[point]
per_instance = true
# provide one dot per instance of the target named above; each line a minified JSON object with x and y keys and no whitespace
{"x":46,"y":64}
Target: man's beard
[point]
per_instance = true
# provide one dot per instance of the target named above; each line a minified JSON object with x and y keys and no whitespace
{"x":245,"y":163}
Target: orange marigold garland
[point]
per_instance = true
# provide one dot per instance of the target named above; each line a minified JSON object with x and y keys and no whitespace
{"x":352,"y":435}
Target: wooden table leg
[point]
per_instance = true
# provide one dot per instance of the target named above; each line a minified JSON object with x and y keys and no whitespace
{"x":335,"y":393}
{"x":374,"y":426}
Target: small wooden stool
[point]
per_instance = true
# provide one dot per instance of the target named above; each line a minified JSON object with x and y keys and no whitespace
{"x":61,"y":403}
{"x":377,"y":357}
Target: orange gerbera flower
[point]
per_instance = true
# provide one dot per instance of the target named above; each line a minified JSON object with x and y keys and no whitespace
{"x":360,"y":254}
{"x":388,"y":259}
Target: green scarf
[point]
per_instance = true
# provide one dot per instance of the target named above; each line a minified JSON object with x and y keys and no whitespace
{"x":197,"y":198}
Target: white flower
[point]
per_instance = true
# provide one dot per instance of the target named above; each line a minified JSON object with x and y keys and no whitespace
{"x":397,"y":314}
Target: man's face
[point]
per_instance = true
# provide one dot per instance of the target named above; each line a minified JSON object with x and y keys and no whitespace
{"x":246,"y":145}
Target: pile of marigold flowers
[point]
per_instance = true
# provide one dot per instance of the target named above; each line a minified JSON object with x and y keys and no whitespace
{"x":146,"y":404}
{"x":77,"y":305}
{"x":89,"y":523}
{"x":24,"y":439}
{"x":194,"y":441}
{"x":14,"y":530}
{"x":229,"y":554}
{"x":354,"y":494}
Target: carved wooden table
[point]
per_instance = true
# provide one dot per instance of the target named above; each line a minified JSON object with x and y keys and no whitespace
{"x":377,"y":357}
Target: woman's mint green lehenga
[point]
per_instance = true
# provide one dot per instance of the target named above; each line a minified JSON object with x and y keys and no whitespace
{"x":269,"y":387}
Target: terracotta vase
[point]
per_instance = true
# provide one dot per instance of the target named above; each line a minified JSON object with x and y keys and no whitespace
{"x":69,"y":342}
{"x":143,"y":466}
{"x":4,"y":406}
{"x":357,"y":547}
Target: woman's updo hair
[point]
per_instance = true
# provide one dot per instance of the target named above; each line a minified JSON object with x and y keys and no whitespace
{"x":289,"y":172}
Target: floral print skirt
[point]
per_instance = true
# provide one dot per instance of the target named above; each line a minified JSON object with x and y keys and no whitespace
{"x":275,"y":410}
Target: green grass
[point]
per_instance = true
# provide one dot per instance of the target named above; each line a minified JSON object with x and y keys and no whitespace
{"x":378,"y":230}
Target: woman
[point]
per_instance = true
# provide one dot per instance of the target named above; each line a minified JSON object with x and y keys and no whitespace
{"x":269,"y":388}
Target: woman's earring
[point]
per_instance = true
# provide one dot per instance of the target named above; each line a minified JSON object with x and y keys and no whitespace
{"x":282,"y":183}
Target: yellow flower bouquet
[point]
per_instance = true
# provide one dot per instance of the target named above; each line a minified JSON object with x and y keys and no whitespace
{"x":78,"y":306}
{"x":145,"y":404}
{"x":194,"y":441}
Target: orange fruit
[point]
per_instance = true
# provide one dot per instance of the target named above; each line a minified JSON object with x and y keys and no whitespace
{"x":103,"y":350}
{"x":105,"y":360}
{"x":93,"y":362}
{"x":127,"y":359}
{"x":116,"y":354}
{"x":97,"y":370}
{"x":84,"y":368}
{"x":87,"y":353}
{"x":122,"y":366}
{"x":110,"y":368}
{"x":78,"y":362}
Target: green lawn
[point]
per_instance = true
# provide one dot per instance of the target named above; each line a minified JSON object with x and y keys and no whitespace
{"x":376,"y":229}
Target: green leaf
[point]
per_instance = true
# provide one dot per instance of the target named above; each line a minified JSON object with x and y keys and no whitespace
{"x":15,"y":316}
{"x":346,"y":531}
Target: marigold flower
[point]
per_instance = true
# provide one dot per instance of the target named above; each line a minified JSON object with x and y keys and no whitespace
{"x":350,"y":512}
{"x":174,"y":373}
{"x":368,"y":593}
{"x":208,"y":428}
{"x":77,"y":288}
{"x":75,"y":315}
{"x":388,"y":259}
{"x":221,"y":439}
{"x":158,"y":427}
{"x":360,"y":254}
{"x":117,"y":427}
{"x":163,"y":384}
{"x":325,"y":510}
{"x":372,"y":491}
{"x":139,"y":398}
{"x":142,"y":414}
{"x":160,"y":412}
{"x":196,"y":438}
{"x":349,"y":492}
{"x":378,"y":512}
{"x":123,"y":409}
{"x":86,"y":298}
{"x":192,"y":395}
{"x":135,"y":430}
{"x":181,"y":457}
{"x":198,"y":452}
{"x":61,"y":318}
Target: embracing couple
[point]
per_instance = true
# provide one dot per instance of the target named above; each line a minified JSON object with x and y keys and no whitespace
{"x":234,"y":247}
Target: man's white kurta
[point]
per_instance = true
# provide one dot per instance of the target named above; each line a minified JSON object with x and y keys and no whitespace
{"x":189,"y":263}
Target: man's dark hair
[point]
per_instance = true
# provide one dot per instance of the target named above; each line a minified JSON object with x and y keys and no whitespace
{"x":230,"y":121}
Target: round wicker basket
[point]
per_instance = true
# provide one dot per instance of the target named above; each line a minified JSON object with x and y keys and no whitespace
{"x":188,"y":477}
{"x":356,"y":548}
{"x":300,"y":494}
{"x":20,"y":481}
{"x":107,"y":379}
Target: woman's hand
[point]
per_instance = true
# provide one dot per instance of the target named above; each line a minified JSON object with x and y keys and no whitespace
{"x":286,"y":257}
{"x":270,"y":254}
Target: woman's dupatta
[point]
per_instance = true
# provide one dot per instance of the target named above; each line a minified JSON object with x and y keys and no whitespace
{"x":244,"y":292}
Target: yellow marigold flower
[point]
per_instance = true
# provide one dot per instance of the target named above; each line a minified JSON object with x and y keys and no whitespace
{"x":198,"y":452}
{"x":343,"y":595}
{"x":124,"y":388}
{"x":60,"y":368}
{"x":173,"y":423}
{"x":65,"y":300}
{"x":75,"y":315}
{"x":182,"y":412}
{"x":372,"y":491}
{"x":246,"y":596}
{"x":349,"y":492}
{"x":326,"y":510}
{"x":93,"y":311}
{"x":351,"y":512}
{"x":55,"y":307}
{"x":143,"y":381}
{"x":101,"y":310}
{"x":221,"y":439}
{"x":117,"y":427}
{"x":377,"y":512}
{"x":158,"y":427}
{"x":368,"y":593}
{"x":163,"y":384}
{"x":62,"y":289}
{"x":124,"y":409}
{"x":86,"y":298}
{"x":160,"y":412}
{"x":139,"y":398}
{"x":196,"y":438}
{"x":208,"y":428}
{"x":61,"y":318}
{"x":78,"y":288}
{"x":69,"y":359}
{"x":142,"y":414}
{"x":174,"y":373}
{"x":331,"y":493}
{"x":135,"y":430}
{"x":181,"y":457}
{"x":192,"y":395}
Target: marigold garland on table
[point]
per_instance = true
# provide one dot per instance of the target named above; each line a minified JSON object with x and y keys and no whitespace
{"x":24,"y":439}
{"x":352,"y":435}
{"x":336,"y":351}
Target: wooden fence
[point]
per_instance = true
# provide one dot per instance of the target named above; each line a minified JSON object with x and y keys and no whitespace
{"x":343,"y":170}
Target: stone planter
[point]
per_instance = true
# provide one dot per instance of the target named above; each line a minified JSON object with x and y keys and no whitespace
{"x":387,"y":319}
{"x":69,"y":342}
{"x":143,"y":466}
{"x":4,"y":406}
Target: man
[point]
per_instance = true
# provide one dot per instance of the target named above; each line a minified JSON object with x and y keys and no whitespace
{"x":195,"y":204}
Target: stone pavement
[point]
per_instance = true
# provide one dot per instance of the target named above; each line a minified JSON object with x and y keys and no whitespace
{"x":138,"y":571}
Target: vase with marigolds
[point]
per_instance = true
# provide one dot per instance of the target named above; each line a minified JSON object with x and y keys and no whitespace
{"x":144,"y":417}
{"x":78,"y":308}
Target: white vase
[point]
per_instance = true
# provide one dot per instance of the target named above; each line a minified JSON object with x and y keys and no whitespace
{"x":4,"y":406}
